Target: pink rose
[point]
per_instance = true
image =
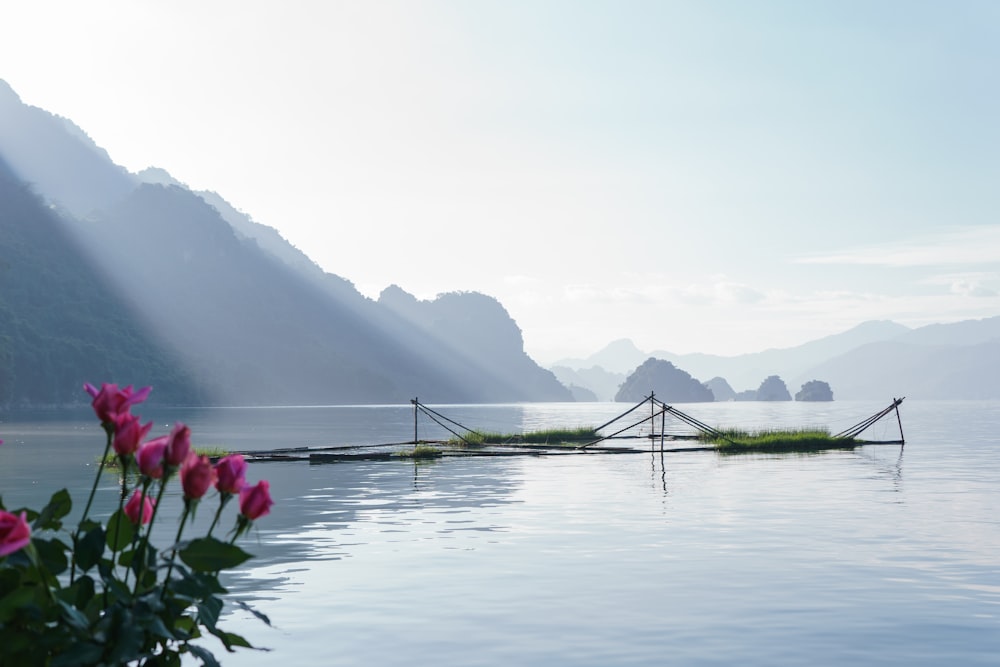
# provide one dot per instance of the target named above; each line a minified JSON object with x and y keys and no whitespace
{"x":110,"y":401}
{"x":197,"y":475}
{"x":255,"y":501}
{"x":231,"y":472}
{"x":129,"y":433}
{"x":15,"y":533}
{"x":178,"y":445}
{"x":149,"y":457}
{"x":133,"y":505}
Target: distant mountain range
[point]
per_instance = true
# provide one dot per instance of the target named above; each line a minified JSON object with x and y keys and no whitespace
{"x":107,"y":275}
{"x":874,"y":360}
{"x":111,"y":276}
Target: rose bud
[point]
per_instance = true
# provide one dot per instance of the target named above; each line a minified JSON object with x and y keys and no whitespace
{"x":15,"y":533}
{"x":197,"y":476}
{"x":231,"y":472}
{"x":133,"y":505}
{"x":255,"y":501}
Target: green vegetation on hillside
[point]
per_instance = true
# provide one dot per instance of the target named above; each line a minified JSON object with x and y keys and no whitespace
{"x":61,"y":322}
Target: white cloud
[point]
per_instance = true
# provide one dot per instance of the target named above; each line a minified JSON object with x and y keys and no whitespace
{"x":961,"y":246}
{"x":972,"y":288}
{"x":721,"y":292}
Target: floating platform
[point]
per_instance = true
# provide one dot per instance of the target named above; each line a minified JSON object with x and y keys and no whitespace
{"x":468,"y":442}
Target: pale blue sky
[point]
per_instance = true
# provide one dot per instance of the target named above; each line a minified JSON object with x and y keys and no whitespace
{"x":697,"y":176}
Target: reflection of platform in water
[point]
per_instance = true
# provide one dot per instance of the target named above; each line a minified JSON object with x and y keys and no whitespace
{"x":468,"y":442}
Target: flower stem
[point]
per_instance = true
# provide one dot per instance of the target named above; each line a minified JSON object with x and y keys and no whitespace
{"x":223,"y":499}
{"x":188,"y":504}
{"x":135,"y":536}
{"x":149,"y":530}
{"x":109,"y":429}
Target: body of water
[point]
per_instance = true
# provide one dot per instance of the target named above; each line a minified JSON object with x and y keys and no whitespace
{"x":879,"y":556}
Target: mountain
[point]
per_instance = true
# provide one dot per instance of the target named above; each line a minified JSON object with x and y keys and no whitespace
{"x":749,"y":370}
{"x":211,"y":301}
{"x":62,"y":322}
{"x":57,"y":159}
{"x":620,"y":357}
{"x":669,"y":383}
{"x":601,"y":383}
{"x":874,"y":360}
{"x":741,"y":371}
{"x":903,"y":368}
{"x":469,"y":323}
{"x":773,"y":389}
{"x":720,"y":389}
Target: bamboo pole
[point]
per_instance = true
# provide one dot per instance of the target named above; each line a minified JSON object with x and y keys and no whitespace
{"x":634,"y":407}
{"x":902,"y":440}
{"x":416,"y":402}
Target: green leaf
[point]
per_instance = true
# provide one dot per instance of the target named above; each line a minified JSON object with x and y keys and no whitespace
{"x":83,"y":653}
{"x":168,"y":659}
{"x":125,"y":557}
{"x":230,"y":639}
{"x":59,"y":506}
{"x":52,"y":554}
{"x":208,"y":612}
{"x":90,"y":548}
{"x":124,"y":634}
{"x":207,"y":554}
{"x":13,"y":601}
{"x":74,"y":617}
{"x":206,"y":657}
{"x":10,"y":579}
{"x":79,"y":594}
{"x":120,"y":531}
{"x":89,"y":525}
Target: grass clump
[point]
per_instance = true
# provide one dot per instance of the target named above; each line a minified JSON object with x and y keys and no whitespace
{"x":419,"y":452}
{"x":552,"y":436}
{"x":212,"y":452}
{"x":777,"y":440}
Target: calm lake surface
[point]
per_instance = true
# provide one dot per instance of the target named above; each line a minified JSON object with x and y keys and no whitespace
{"x":880,"y":556}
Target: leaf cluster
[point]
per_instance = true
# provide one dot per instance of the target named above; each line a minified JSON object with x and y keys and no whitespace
{"x":104,"y":595}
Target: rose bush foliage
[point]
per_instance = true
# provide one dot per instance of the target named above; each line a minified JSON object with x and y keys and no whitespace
{"x":101,"y":593}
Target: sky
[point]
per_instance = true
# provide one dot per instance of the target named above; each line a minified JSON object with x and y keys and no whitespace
{"x":700,"y":176}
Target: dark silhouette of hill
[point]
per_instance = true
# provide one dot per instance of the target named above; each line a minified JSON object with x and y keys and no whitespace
{"x":814,"y":390}
{"x":238,"y":313}
{"x":669,"y":383}
{"x":62,"y":322}
{"x":773,"y":389}
{"x":720,"y":389}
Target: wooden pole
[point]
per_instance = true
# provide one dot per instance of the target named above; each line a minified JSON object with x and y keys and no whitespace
{"x":663,"y":428}
{"x":652,"y":421}
{"x":902,"y":440}
{"x":416,"y":402}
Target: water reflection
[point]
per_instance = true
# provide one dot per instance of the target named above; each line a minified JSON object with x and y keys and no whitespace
{"x":322,"y":509}
{"x":614,"y":559}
